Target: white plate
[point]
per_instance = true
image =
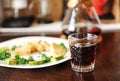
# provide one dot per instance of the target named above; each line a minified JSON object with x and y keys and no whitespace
{"x":21,"y":40}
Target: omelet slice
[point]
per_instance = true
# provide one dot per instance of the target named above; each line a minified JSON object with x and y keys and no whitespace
{"x":56,"y":50}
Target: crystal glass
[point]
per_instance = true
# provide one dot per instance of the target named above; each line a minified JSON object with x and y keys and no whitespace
{"x":83,"y":51}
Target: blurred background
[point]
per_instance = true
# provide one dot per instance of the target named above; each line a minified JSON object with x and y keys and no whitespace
{"x":27,"y":13}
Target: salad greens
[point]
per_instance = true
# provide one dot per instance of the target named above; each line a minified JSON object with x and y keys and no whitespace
{"x":54,"y":59}
{"x":20,"y":60}
{"x":30,"y":58}
{"x":45,"y":58}
{"x":63,"y":46}
{"x":14,"y":47}
{"x":4,"y":53}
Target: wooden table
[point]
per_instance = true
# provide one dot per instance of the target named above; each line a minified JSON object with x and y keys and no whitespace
{"x":107,"y":66}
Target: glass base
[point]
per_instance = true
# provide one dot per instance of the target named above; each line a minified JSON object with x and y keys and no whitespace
{"x":82,"y":69}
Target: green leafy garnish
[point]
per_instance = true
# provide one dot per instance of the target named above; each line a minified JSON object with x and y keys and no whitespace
{"x":30,"y":58}
{"x":54,"y":59}
{"x":4,"y":54}
{"x":59,"y":58}
{"x":36,"y":62}
{"x":63,"y":46}
{"x":14,"y":47}
{"x":20,"y":60}
{"x":45,"y":58}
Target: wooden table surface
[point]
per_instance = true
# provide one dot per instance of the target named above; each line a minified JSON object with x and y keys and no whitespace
{"x":107,"y":66}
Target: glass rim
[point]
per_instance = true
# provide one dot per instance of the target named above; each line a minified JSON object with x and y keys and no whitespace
{"x":90,"y":34}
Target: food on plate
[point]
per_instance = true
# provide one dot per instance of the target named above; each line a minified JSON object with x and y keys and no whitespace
{"x":30,"y":47}
{"x":57,"y":50}
{"x":10,"y":61}
{"x":4,"y":53}
{"x":22,"y":51}
{"x":43,"y":46}
{"x":47,"y":52}
{"x":25,"y":49}
{"x":54,"y":59}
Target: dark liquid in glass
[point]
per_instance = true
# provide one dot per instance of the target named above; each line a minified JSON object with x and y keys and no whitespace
{"x":82,"y":55}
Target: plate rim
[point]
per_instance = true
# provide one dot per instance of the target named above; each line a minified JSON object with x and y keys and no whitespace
{"x":26,"y":66}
